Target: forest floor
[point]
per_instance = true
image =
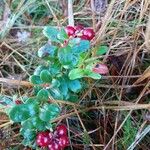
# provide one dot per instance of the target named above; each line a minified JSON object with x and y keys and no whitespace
{"x":120,"y":116}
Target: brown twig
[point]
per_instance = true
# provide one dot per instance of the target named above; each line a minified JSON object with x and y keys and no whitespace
{"x":16,"y":82}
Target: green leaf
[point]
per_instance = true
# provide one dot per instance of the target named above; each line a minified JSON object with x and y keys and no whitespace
{"x":76,"y":74}
{"x":43,"y":95}
{"x":29,"y":134}
{"x":45,"y":76}
{"x":54,"y":108}
{"x":26,"y":142}
{"x":73,"y":98}
{"x":49,"y":112}
{"x":66,"y":57}
{"x":19,"y":113}
{"x":102,"y":50}
{"x":39,"y":69}
{"x":87,"y":72}
{"x":27,"y":124}
{"x":51,"y":33}
{"x":94,"y":75}
{"x":55,"y":68}
{"x":74,"y":85}
{"x":5,"y":100}
{"x":81,"y":59}
{"x":74,"y":41}
{"x":63,"y":86}
{"x":80,"y":73}
{"x":81,"y":47}
{"x":62,"y":35}
{"x":30,"y":100}
{"x":34,"y":79}
{"x":36,"y":89}
{"x":38,"y":124}
{"x":46,"y":115}
{"x":47,"y":51}
{"x":49,"y":126}
{"x":55,"y":83}
{"x":33,"y":108}
{"x":56,"y":93}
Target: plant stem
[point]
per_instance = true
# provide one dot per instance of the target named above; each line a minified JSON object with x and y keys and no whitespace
{"x":70,"y":13}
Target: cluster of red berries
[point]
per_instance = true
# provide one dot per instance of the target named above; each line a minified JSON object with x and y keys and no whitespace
{"x":56,"y":140}
{"x":80,"y":32}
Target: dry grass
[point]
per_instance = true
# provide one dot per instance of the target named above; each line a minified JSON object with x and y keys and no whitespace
{"x":100,"y":120}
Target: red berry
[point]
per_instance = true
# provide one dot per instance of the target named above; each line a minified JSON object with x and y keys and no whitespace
{"x":43,"y":139}
{"x":63,"y":141}
{"x":83,"y":37}
{"x":101,"y":69}
{"x":50,"y":135}
{"x":70,"y":30}
{"x":54,"y":146}
{"x":89,"y":33}
{"x":18,"y":102}
{"x":61,"y":130}
{"x":79,"y":27}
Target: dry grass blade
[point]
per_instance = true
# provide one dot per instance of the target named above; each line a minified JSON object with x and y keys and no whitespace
{"x":139,"y":138}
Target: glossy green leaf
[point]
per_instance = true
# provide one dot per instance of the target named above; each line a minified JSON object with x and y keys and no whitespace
{"x":29,"y":134}
{"x":36,"y":89}
{"x":94,"y":75}
{"x":76,"y":74}
{"x":38,"y":124}
{"x":56,"y":93}
{"x":47,"y":51}
{"x":55,"y":83}
{"x":54,"y":108}
{"x":39,"y":69}
{"x":74,"y":85}
{"x":33,"y":108}
{"x":73,"y":98}
{"x":49,"y":112}
{"x":55,"y":68}
{"x":63,"y":86}
{"x":26,"y":142}
{"x":45,"y":76}
{"x":79,"y":73}
{"x":5,"y":100}
{"x":19,"y":113}
{"x":46,"y":115}
{"x":51,"y":33}
{"x":74,"y":41}
{"x":43,"y":95}
{"x":30,"y":100}
{"x":34,"y":79}
{"x":49,"y":126}
{"x":81,"y":47}
{"x":67,"y":58}
{"x":102,"y":50}
{"x":27,"y":124}
{"x":62,"y":35}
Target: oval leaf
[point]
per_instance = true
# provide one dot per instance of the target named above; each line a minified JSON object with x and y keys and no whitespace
{"x":76,"y":74}
{"x":102,"y":50}
{"x":19,"y":113}
{"x":45,"y":76}
{"x":74,"y":85}
{"x":34,"y":79}
{"x":51,"y":33}
{"x":43,"y":95}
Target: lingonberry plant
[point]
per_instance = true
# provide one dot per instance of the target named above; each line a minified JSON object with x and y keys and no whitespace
{"x":67,"y":60}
